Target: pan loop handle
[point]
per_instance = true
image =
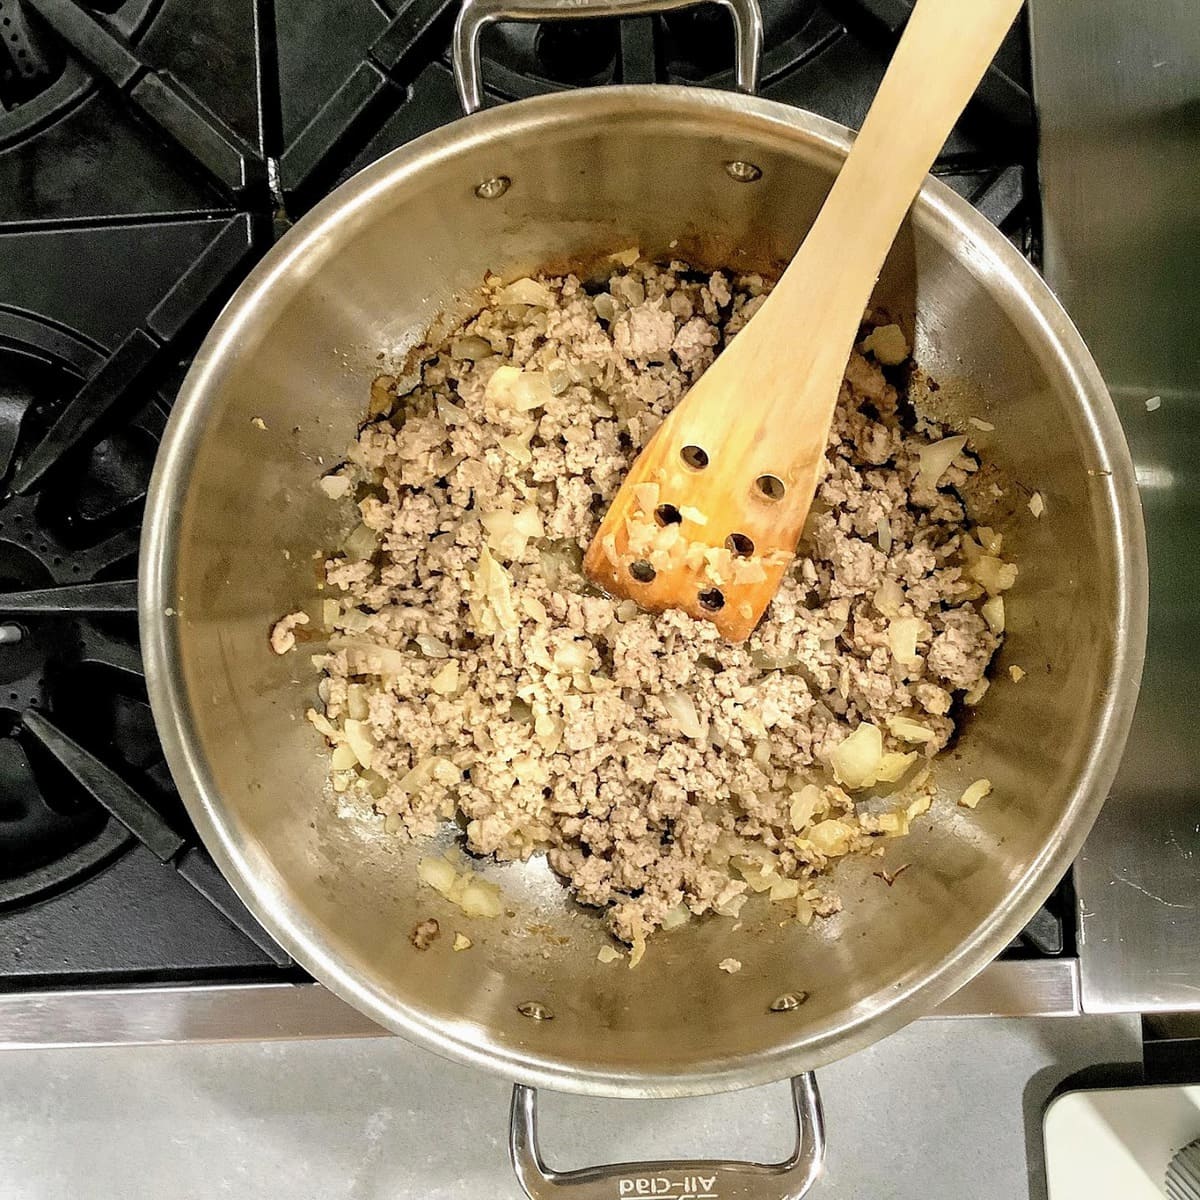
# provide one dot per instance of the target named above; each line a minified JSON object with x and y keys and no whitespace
{"x":682,"y":1180}
{"x":475,"y":14}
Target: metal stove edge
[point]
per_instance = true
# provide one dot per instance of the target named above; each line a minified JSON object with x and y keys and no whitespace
{"x":142,"y":1016}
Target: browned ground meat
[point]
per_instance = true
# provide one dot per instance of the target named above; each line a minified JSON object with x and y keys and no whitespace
{"x":472,"y":671}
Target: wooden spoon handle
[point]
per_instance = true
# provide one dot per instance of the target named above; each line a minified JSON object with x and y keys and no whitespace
{"x":736,"y":463}
{"x":941,"y":57}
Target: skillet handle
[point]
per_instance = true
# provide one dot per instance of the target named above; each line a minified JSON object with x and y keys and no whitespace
{"x":475,"y":14}
{"x":681,"y":1180}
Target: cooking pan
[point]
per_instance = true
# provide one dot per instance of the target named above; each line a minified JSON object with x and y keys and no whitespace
{"x":235,"y":521}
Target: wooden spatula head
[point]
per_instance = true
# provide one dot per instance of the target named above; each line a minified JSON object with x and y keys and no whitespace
{"x":708,"y":518}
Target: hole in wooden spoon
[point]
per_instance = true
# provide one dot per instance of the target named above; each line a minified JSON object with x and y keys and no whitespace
{"x":740,"y":544}
{"x":770,"y":487}
{"x":642,"y":571}
{"x":667,"y":514}
{"x":695,"y":457}
{"x":713,"y":600}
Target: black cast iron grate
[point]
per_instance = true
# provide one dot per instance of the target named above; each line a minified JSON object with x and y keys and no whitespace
{"x":149,"y":150}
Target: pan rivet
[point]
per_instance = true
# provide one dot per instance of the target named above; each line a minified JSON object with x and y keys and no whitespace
{"x":535,"y":1011}
{"x":788,"y":1001}
{"x":743,"y":172}
{"x":492,"y":189}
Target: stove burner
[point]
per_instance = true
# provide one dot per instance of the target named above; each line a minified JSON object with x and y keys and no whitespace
{"x":30,"y":62}
{"x":100,"y":43}
{"x":555,"y":53}
{"x":50,"y":835}
{"x":39,"y":77}
{"x":698,"y":44}
{"x":581,"y":53}
{"x":69,"y":656}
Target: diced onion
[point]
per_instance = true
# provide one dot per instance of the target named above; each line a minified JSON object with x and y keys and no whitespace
{"x":445,"y":681}
{"x":471,"y":348}
{"x":883,"y":531}
{"x":679,"y":915}
{"x":892,"y":824}
{"x":358,"y":736}
{"x":481,"y":899}
{"x":902,"y":636}
{"x":361,"y":543}
{"x":357,"y":704}
{"x":920,"y":805}
{"x":492,"y":602}
{"x":785,"y":889}
{"x":510,"y":533}
{"x":682,"y":708}
{"x":476,"y":897}
{"x":889,"y":596}
{"x":908,"y":730}
{"x":992,"y":574}
{"x":803,"y":806}
{"x":367,"y":658}
{"x":748,"y":570}
{"x":517,"y":444}
{"x":992,"y":611}
{"x":354,"y":620}
{"x":450,"y":412}
{"x":975,"y":792}
{"x":639,"y":948}
{"x":888,"y":344}
{"x":431,"y":647}
{"x":991,"y":541}
{"x":647,"y":496}
{"x":526,"y":291}
{"x":610,"y":954}
{"x":534,"y":608}
{"x":572,"y":657}
{"x":324,"y":726}
{"x":936,"y":457}
{"x":856,"y":759}
{"x":832,"y":838}
{"x":626,"y":288}
{"x":893,"y":765}
{"x":343,"y":758}
{"x":438,"y":873}
{"x":516,"y":390}
{"x":335,"y":486}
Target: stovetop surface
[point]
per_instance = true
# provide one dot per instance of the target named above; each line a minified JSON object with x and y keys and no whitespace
{"x":150,"y":152}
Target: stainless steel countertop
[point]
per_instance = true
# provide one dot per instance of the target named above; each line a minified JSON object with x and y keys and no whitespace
{"x":941,"y":1109}
{"x":1118,"y":89}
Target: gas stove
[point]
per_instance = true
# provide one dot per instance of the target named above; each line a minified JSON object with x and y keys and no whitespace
{"x":150,"y":152}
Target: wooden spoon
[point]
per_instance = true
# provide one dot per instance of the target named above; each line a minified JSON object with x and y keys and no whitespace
{"x":708,"y":518}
